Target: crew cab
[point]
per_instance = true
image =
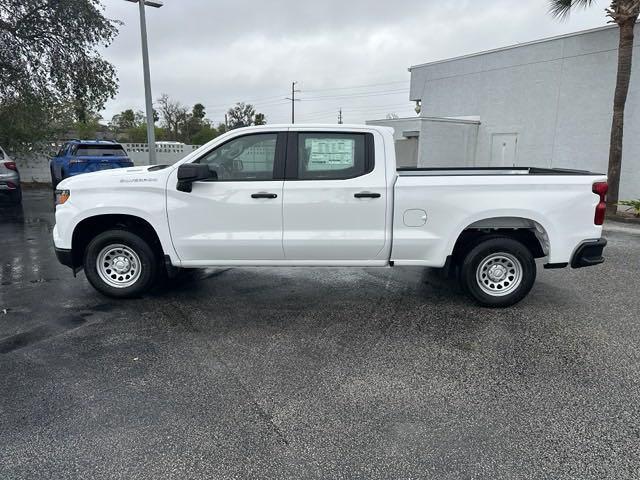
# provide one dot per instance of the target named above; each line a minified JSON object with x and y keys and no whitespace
{"x":318,"y":195}
{"x":83,"y":156}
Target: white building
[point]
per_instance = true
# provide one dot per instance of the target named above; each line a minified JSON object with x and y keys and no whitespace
{"x":546,"y":103}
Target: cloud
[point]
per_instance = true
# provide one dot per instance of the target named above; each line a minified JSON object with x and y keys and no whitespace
{"x":220,"y":52}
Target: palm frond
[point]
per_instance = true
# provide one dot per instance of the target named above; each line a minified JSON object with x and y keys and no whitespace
{"x":561,"y":8}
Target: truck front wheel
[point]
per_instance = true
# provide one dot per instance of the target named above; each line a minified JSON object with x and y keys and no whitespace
{"x":120,"y":264}
{"x":498,"y":271}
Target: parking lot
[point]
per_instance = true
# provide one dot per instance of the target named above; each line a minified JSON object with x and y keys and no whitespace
{"x":314,"y":373}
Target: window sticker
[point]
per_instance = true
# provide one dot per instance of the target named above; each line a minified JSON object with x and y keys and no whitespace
{"x":330,"y":153}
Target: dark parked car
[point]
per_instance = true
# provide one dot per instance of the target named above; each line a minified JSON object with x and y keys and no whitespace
{"x":84,"y":156}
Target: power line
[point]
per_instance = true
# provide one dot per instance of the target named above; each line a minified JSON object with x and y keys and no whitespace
{"x":356,"y":95}
{"x":226,"y":105}
{"x":354,"y":86}
{"x":359,"y":108}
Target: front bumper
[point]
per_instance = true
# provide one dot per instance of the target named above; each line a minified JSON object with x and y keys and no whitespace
{"x":589,"y":253}
{"x":65,"y":257}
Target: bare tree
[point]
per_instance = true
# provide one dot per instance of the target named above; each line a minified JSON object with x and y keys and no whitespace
{"x":173,"y":115}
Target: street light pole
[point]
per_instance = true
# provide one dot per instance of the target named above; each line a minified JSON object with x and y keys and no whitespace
{"x":151,"y":134}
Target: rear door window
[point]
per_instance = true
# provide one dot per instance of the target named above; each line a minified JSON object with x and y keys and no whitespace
{"x":332,"y":156}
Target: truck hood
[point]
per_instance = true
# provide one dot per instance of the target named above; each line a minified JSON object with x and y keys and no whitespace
{"x":118,"y":176}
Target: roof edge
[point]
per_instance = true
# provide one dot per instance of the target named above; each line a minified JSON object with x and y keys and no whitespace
{"x":516,"y":45}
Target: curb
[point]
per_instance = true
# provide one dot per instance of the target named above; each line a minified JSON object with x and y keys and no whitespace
{"x":624,"y":219}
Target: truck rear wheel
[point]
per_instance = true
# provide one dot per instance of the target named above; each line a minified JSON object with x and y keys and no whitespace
{"x":498,"y":272}
{"x":120,"y":264}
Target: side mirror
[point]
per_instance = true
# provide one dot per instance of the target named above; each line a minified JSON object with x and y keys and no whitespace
{"x":193,"y":172}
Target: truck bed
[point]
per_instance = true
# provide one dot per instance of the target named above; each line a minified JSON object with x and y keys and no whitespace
{"x":483,"y":171}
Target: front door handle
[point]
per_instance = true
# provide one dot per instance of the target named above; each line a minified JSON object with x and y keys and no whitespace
{"x":366,"y":195}
{"x":264,"y":195}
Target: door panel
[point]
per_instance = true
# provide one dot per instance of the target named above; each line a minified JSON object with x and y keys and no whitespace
{"x":326,"y":217}
{"x":239,"y":215}
{"x":221,"y":221}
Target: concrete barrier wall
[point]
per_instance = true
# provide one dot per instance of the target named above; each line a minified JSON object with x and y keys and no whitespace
{"x":34,"y":168}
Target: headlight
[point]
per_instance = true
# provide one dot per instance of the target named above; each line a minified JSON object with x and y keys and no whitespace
{"x":62,"y":196}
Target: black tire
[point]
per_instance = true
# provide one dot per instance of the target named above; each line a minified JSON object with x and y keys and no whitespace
{"x":146,"y":270}
{"x":15,"y":196}
{"x":502,"y":264}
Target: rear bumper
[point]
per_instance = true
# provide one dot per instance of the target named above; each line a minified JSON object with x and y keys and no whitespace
{"x":589,"y":253}
{"x":9,"y":182}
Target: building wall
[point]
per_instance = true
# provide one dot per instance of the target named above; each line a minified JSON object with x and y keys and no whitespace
{"x":556,"y":95}
{"x":439,"y":141}
{"x":447,"y":143}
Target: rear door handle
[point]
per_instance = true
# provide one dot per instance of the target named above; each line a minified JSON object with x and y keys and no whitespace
{"x":264,"y":195}
{"x":366,"y":195}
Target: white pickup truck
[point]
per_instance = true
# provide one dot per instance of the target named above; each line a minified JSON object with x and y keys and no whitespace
{"x":319,"y":195}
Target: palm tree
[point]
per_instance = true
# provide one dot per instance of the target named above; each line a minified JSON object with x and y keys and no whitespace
{"x":625,"y":14}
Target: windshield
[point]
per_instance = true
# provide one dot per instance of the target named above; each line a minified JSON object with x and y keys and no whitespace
{"x":99,"y":151}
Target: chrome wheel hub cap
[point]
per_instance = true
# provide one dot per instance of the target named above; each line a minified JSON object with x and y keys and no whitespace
{"x":499,"y":274}
{"x":118,"y":266}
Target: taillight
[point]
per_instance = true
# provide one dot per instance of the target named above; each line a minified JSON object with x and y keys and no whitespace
{"x":600,"y":188}
{"x":11,"y":166}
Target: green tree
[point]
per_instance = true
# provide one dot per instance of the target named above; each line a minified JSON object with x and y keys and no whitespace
{"x":198,"y":112}
{"x":222,"y":128}
{"x":138,"y":134}
{"x":48,"y":52}
{"x":625,"y":14}
{"x":244,"y":115}
{"x":259,"y":119}
{"x":89,"y":126}
{"x":204,"y":135}
{"x":126,"y":120}
{"x":194,"y":123}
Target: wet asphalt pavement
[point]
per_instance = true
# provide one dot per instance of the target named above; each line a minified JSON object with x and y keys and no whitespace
{"x":314,"y":373}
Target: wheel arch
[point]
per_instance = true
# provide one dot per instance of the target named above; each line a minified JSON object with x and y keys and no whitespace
{"x":527,"y":231}
{"x":89,"y":227}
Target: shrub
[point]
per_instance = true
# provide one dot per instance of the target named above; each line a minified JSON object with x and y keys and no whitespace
{"x":634,"y":206}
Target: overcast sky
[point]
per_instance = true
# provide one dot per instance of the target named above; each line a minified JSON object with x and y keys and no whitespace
{"x":218,"y":52}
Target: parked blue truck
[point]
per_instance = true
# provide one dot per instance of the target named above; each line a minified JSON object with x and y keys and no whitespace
{"x":83,"y":156}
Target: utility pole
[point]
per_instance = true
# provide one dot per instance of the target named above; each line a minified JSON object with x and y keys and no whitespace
{"x":151,"y":133}
{"x":293,"y":101}
{"x":340,"y":116}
